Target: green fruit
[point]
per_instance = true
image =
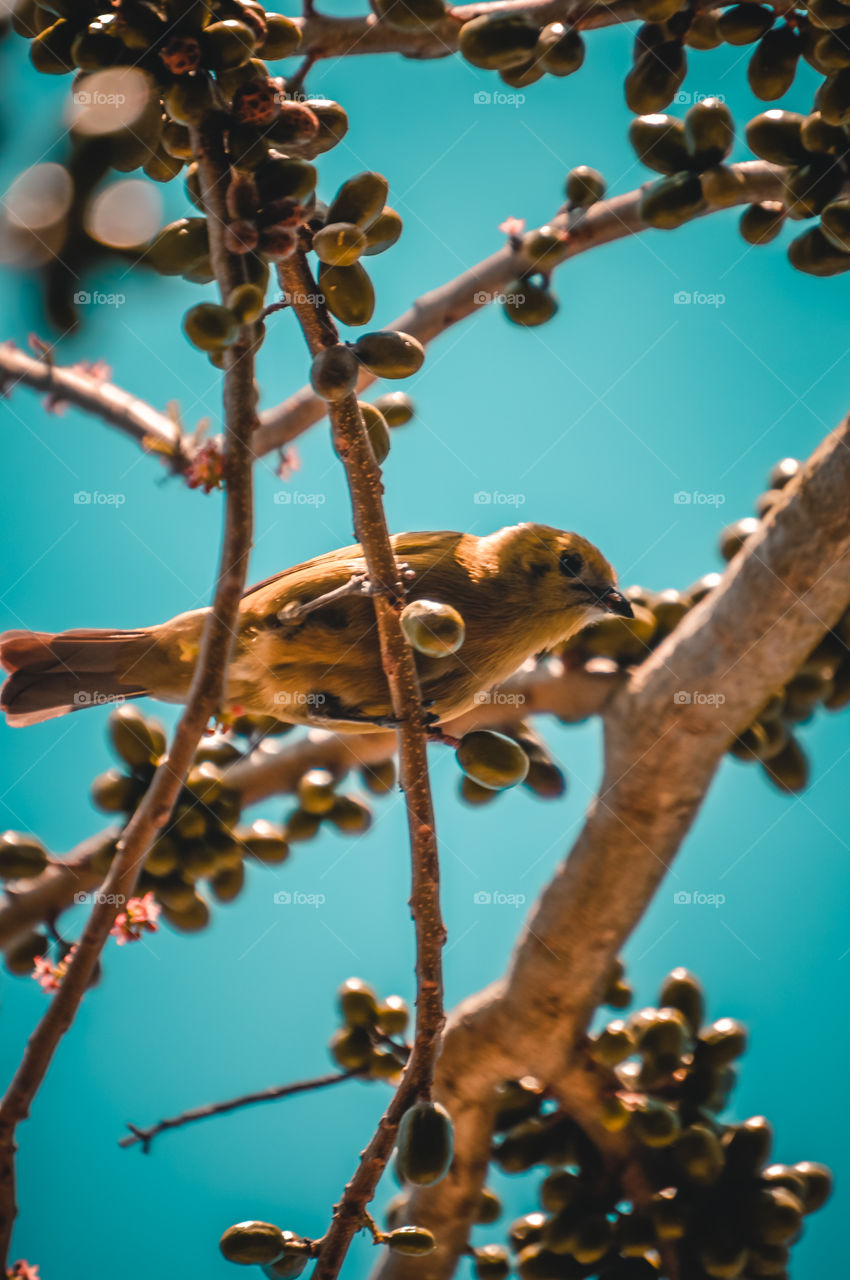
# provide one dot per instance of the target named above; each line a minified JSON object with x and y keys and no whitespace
{"x":393,"y":1016}
{"x":528,"y":72}
{"x":835,"y":224}
{"x":333,"y":126}
{"x":383,"y":233}
{"x":396,"y":407}
{"x":656,"y":10}
{"x":529,"y":304}
{"x":702,"y":32}
{"x":723,"y":1259}
{"x":584,"y":187}
{"x":334,"y":372}
{"x":659,"y":143}
{"x":832,"y":50}
{"x":722,"y":1042}
{"x":699,"y":1155}
{"x":246,"y":302}
{"x":491,"y":1263}
{"x":672,"y":201}
{"x":296,"y":1255}
{"x":817,"y":1184}
{"x":745,"y":23}
{"x":681,"y":990}
{"x":19,"y":957}
{"x":814,"y":254}
{"x":281,"y":178}
{"x":178,"y":247}
{"x":560,"y":49}
{"x":497,"y":42}
{"x":776,"y":136}
{"x":492,"y":759}
{"x":50,"y":51}
{"x":413,"y":1242}
{"x":348,"y":293}
{"x":282,"y":38}
{"x":669,"y":1215}
{"x":188,"y":100}
{"x":264,"y":841}
{"x":357,"y":1003}
{"x":526,"y":1231}
{"x":350,"y":816}
{"x":136,"y":740}
{"x":359,"y":200}
{"x":655,"y":78}
{"x":409,"y":15}
{"x":116,"y":792}
{"x":655,"y":1124}
{"x":544,"y":248}
{"x":379,"y":778}
{"x":315,"y":791}
{"x":351,"y":1049}
{"x":252,"y":1243}
{"x":21,"y":856}
{"x":761,"y":223}
{"x":473,"y":794}
{"x":829,"y":15}
{"x":432,"y":628}
{"x":388,"y":353}
{"x":833,"y":98}
{"x":817,"y":135}
{"x":747,"y":1146}
{"x":425,"y":1144}
{"x":612,"y":1045}
{"x":669,"y":607}
{"x":376,"y":429}
{"x":709,"y":132}
{"x":773,"y":65}
{"x":777,"y":1215}
{"x":559,"y":1190}
{"x":811,"y":187}
{"x":210,"y":327}
{"x":735,"y":535}
{"x":614,"y":1113}
{"x":227,"y":44}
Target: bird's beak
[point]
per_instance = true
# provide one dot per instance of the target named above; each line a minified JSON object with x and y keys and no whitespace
{"x":616,"y":603}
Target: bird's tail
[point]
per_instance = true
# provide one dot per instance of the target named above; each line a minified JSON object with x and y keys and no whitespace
{"x":50,"y":675}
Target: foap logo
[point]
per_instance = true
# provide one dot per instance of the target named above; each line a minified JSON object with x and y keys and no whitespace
{"x":91,"y":698}
{"x":483,"y":299}
{"x":302,"y":700}
{"x":684,"y":99}
{"x":300,"y":299}
{"x":83,"y":298}
{"x":697,"y":498}
{"x":697,"y":899}
{"x":495,"y":497}
{"x":295,"y":898}
{"x":105,"y":899}
{"x":296,"y":498}
{"x":484,"y":898}
{"x":87,"y":498}
{"x":483,"y":98}
{"x":95,"y":98}
{"x":498,"y":698}
{"x":685,"y":298}
{"x":687,"y":698}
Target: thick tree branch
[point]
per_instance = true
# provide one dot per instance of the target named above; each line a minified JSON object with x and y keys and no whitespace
{"x":482,"y":284}
{"x":204,"y":699}
{"x":79,"y":386}
{"x":364,"y":481}
{"x":778,"y":596}
{"x":146,"y":1136}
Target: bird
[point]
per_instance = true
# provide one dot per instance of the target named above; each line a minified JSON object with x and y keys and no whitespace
{"x":306,"y":645}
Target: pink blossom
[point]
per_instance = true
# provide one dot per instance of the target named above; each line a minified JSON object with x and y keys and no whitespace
{"x":141,"y":914}
{"x":206,"y":470}
{"x":512,"y":226}
{"x":23,"y":1270}
{"x":49,"y":977}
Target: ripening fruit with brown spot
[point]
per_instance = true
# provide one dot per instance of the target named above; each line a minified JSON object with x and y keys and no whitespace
{"x":433,"y":628}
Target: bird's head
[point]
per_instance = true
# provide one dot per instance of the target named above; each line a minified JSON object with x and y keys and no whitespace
{"x":561,"y":573}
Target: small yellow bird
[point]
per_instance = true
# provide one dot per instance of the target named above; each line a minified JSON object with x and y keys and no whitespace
{"x":520,"y":591}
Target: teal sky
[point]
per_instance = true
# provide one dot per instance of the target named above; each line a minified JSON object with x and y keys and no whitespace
{"x":595,"y":422}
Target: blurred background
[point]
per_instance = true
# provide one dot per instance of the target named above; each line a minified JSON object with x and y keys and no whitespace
{"x":594,"y":422}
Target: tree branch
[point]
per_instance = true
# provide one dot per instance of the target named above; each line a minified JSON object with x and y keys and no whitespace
{"x":788,"y":585}
{"x":204,"y":699}
{"x":482,"y":284}
{"x":79,"y":386}
{"x":370,"y":526}
{"x":146,"y":1136}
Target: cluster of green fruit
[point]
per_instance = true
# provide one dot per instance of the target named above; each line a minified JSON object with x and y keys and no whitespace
{"x":690,"y":154}
{"x":823,"y":679}
{"x":528,"y":300}
{"x":491,"y":762}
{"x":368,"y":1040}
{"x":714,"y":1209}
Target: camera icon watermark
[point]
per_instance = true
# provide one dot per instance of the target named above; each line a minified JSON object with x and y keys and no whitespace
{"x":685,"y":298}
{"x":495,"y":497}
{"x":87,"y":498}
{"x":306,"y":700}
{"x":498,"y":698}
{"x":295,"y":898}
{"x":84,"y":298}
{"x":684,"y":899}
{"x":96,"y":98}
{"x":484,"y":898}
{"x":483,"y":98}
{"x":483,"y":299}
{"x":107,"y":899}
{"x":91,"y":698}
{"x":687,"y":698}
{"x":295,"y":498}
{"x":685,"y":498}
{"x":685,"y":99}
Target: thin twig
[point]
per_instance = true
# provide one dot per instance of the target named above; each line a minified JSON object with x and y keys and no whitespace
{"x":146,"y":1136}
{"x":483,"y":284}
{"x":204,"y":699}
{"x":370,"y":526}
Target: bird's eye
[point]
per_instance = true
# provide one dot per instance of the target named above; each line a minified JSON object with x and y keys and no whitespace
{"x":571,"y":564}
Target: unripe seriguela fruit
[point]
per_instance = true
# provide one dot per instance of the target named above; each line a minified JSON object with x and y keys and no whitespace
{"x":252,"y":1243}
{"x":389,"y":353}
{"x":425,"y":1144}
{"x":432,"y":627}
{"x":492,"y":759}
{"x":333,"y":374}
